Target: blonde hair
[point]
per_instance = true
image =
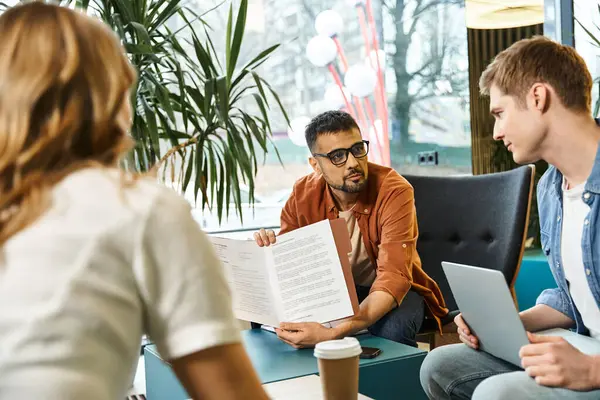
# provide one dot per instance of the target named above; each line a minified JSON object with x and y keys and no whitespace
{"x":540,"y":59}
{"x":63,"y":80}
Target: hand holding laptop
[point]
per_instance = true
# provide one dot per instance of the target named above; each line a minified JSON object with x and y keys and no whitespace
{"x":464,"y":333}
{"x":553,"y":361}
{"x":553,"y":357}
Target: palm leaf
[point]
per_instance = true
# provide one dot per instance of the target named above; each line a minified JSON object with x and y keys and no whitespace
{"x":228,"y":38}
{"x":238,"y":35}
{"x":594,"y":39}
{"x":159,"y":17}
{"x":82,"y":4}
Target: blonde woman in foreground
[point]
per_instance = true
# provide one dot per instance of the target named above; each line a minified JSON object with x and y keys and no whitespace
{"x":91,"y":260}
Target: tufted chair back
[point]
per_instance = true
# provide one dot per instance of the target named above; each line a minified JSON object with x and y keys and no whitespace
{"x":475,"y":220}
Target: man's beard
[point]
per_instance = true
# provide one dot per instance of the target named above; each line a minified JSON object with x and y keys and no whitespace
{"x":349,"y":186}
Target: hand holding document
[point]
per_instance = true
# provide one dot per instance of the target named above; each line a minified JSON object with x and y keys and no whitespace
{"x":304,"y":277}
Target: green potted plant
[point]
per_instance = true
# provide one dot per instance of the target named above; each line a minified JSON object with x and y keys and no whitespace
{"x":194,"y":117}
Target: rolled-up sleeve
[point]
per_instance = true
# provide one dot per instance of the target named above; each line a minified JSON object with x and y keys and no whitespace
{"x":557,"y":299}
{"x":289,"y":219}
{"x":398,"y":244}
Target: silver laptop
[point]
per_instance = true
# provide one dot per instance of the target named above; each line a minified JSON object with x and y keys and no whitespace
{"x":484,"y":299}
{"x":487,"y":306}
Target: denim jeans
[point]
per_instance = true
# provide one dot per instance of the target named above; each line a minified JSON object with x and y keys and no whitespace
{"x":459,"y":372}
{"x":403,"y":322}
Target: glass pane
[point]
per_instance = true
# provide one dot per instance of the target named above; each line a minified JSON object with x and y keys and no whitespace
{"x":587,"y":14}
{"x":428,"y":86}
{"x":424,"y":67}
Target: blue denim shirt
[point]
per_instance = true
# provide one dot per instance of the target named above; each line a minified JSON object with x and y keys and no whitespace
{"x":550,"y":205}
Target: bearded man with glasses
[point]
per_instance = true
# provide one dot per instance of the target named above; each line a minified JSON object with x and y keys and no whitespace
{"x":379,"y":208}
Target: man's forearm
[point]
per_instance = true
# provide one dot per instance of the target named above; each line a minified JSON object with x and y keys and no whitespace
{"x":542,"y":317}
{"x":374,"y":307}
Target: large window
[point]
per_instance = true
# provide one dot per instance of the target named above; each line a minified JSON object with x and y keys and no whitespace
{"x":425,"y":74}
{"x":588,"y":14}
{"x":425,"y":77}
{"x":428,"y":84}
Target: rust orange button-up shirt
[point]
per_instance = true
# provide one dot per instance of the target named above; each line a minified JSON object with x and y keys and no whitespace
{"x":386,"y":216}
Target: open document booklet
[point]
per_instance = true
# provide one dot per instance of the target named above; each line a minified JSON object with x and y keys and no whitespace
{"x":304,"y":277}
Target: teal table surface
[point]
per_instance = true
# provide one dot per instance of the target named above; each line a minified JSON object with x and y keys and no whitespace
{"x":274,"y":360}
{"x":393,"y":374}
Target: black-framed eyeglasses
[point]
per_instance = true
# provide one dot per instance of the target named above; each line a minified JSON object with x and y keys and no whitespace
{"x":340,"y":156}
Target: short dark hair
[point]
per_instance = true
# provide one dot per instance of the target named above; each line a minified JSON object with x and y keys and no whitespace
{"x":327,"y":123}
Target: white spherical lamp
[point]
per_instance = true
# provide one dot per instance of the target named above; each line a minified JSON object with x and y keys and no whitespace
{"x":334,"y":98}
{"x":371,"y":60}
{"x":329,"y":23}
{"x":321,"y":50}
{"x":360,"y":80}
{"x":296,"y":130}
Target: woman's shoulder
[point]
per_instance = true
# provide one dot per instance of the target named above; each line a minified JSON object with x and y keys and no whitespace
{"x":118,"y":190}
